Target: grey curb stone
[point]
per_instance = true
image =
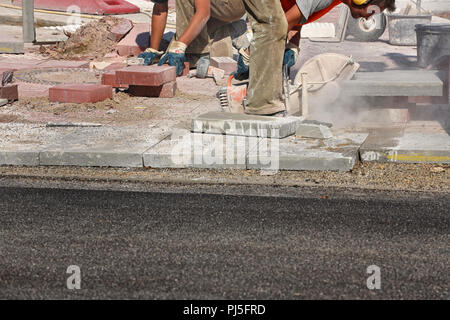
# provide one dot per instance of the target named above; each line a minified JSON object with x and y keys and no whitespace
{"x":313,"y":131}
{"x":103,"y":147}
{"x":335,"y":154}
{"x":407,"y":148}
{"x":245,"y":125}
{"x":194,"y":150}
{"x":409,"y":83}
{"x":19,"y":158}
{"x":21,"y":144}
{"x":12,"y":47}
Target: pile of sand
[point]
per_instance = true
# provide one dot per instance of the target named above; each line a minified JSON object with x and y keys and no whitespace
{"x":88,"y":42}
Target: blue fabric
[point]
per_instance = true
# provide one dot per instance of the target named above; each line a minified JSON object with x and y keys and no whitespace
{"x":149,"y":57}
{"x":242,"y":72}
{"x":174,"y":59}
{"x":289,"y":58}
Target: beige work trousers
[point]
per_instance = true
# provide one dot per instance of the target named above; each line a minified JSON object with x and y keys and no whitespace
{"x":223,"y":12}
{"x":269,"y":24}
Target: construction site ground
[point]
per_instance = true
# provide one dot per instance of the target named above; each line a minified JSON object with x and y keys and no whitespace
{"x":33,"y":112}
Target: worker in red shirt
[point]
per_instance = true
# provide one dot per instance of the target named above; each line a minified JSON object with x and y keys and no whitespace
{"x":271,"y":21}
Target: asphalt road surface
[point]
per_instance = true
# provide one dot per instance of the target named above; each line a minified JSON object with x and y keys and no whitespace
{"x":198,"y":245}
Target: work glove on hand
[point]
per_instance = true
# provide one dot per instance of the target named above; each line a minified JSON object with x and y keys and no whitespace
{"x":242,"y":72}
{"x":290,"y":55}
{"x":150,"y":56}
{"x":175,"y":56}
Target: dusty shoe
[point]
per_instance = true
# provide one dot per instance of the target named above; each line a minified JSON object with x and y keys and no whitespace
{"x":279,"y":114}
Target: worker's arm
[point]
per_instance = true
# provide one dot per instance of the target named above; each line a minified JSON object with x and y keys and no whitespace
{"x":198,"y":21}
{"x":293,"y":17}
{"x":294,"y":35}
{"x":159,"y":20}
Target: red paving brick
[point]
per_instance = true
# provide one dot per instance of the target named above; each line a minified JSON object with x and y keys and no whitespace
{"x":166,"y":90}
{"x":146,"y":75}
{"x":187,"y":67}
{"x":10,"y":92}
{"x":224,"y":63}
{"x":116,"y":66}
{"x":109,"y":79}
{"x":120,"y":30}
{"x":136,"y":41}
{"x":80,"y":93}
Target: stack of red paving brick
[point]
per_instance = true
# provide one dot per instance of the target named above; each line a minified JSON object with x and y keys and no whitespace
{"x":8,"y":91}
{"x":144,"y":81}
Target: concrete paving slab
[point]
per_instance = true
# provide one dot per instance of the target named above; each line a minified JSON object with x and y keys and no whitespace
{"x":103,"y":147}
{"x":21,"y":144}
{"x":336,"y":154}
{"x":315,"y":131}
{"x":12,"y":47}
{"x":195,"y":150}
{"x":245,"y":125}
{"x":407,"y":147}
{"x":410,"y":83}
{"x":3,"y":102}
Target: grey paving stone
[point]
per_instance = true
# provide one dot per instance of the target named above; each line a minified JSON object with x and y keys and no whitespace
{"x":315,"y":131}
{"x":245,"y":125}
{"x":406,"y":147}
{"x":12,"y":47}
{"x":103,"y":147}
{"x":195,"y":150}
{"x":3,"y":102}
{"x":409,"y":83}
{"x":21,"y":144}
{"x":337,"y":154}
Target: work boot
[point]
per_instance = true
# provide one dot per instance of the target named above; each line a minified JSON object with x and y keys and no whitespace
{"x":279,"y":114}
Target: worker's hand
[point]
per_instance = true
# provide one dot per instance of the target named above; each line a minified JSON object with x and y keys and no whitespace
{"x":175,"y":56}
{"x":150,"y":56}
{"x":242,"y":72}
{"x":290,"y":55}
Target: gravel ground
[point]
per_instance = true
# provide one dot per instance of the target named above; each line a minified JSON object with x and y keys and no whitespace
{"x":387,"y":176}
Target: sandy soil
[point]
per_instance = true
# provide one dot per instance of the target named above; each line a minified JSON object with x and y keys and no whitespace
{"x":123,"y":109}
{"x":89,"y":42}
{"x":379,"y":176}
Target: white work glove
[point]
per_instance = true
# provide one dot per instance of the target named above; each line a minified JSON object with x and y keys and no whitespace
{"x":175,"y":56}
{"x":150,"y":56}
{"x":176,"y":47}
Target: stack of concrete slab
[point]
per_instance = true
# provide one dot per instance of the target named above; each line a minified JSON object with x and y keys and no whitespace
{"x":227,"y":140}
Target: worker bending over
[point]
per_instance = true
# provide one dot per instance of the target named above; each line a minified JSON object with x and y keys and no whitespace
{"x":198,"y":24}
{"x":271,"y":22}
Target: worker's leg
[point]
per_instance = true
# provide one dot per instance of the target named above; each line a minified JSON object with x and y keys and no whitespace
{"x":222,"y":12}
{"x":220,"y":30}
{"x":268,"y":21}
